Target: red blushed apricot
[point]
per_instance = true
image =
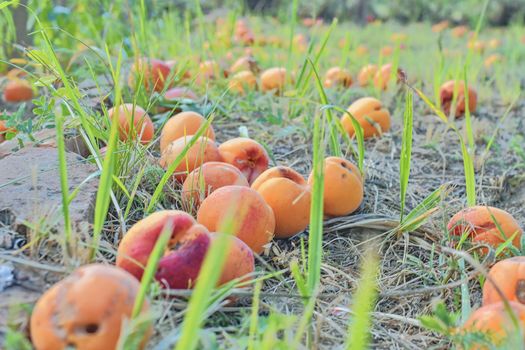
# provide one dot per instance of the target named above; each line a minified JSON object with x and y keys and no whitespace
{"x":366,"y":74}
{"x":129,"y":114}
{"x":180,"y":92}
{"x":370,"y":114}
{"x":253,"y":219}
{"x":288,"y":194}
{"x":154,"y":73}
{"x":204,"y":150}
{"x":337,"y":76}
{"x":18,"y":90}
{"x":183,"y":124}
{"x":343,"y":187}
{"x":240,"y":261}
{"x":446,"y":95}
{"x":86,"y":310}
{"x":509,"y":276}
{"x":242,"y":81}
{"x":273,"y":79}
{"x":247,"y":155}
{"x":484,"y":224}
{"x":495,"y":321}
{"x":206,"y":179}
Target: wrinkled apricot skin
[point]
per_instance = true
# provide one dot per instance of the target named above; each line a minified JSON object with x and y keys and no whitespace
{"x":242,"y":81}
{"x":204,"y":150}
{"x":288,"y":194}
{"x":481,"y":223}
{"x":183,"y":124}
{"x":446,"y":94}
{"x":343,"y":187}
{"x":247,"y":155}
{"x":370,"y":114}
{"x":128,"y":115}
{"x":153,"y":72}
{"x":337,"y":76}
{"x":509,"y":276}
{"x":495,"y":321}
{"x":86,"y":310}
{"x":273,"y":79}
{"x":206,"y":179}
{"x":366,"y":74}
{"x":18,"y":90}
{"x":253,"y":219}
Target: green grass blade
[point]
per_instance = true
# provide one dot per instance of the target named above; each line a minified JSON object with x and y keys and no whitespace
{"x":64,"y":187}
{"x":406,"y":150}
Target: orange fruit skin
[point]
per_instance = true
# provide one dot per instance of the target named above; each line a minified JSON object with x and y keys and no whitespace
{"x":153,"y":72}
{"x":254,"y":221}
{"x":366,"y":74}
{"x":479,"y":225}
{"x":509,"y":276}
{"x":247,"y":155}
{"x":288,"y":194}
{"x":343,"y":187}
{"x":183,"y":124}
{"x":206,"y":179}
{"x":133,"y":115}
{"x":494,"y":320}
{"x":242,"y":81}
{"x":204,"y":150}
{"x":382,"y":76}
{"x":68,"y":314}
{"x":180,"y":92}
{"x":370,"y":114}
{"x":446,"y":94}
{"x":244,"y":63}
{"x":337,"y":76}
{"x":240,"y":261}
{"x":441,"y":26}
{"x":4,"y":129}
{"x":18,"y":90}
{"x":273,"y":79}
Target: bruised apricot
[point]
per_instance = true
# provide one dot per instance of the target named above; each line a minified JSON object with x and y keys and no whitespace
{"x":242,"y":81}
{"x":247,"y":155}
{"x":18,"y":90}
{"x":337,"y":76}
{"x":366,"y":74}
{"x":183,"y":124}
{"x":288,"y":194}
{"x":204,"y":150}
{"x":252,"y":218}
{"x":370,"y":114}
{"x":485,"y":224}
{"x":509,"y":276}
{"x":86,"y":310}
{"x":446,"y":95}
{"x":206,"y":179}
{"x":273,"y":79}
{"x":495,"y":321}
{"x":134,"y":123}
{"x":343,"y":187}
{"x":152,"y":72}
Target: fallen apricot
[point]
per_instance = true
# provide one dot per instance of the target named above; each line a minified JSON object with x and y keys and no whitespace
{"x":459,"y":31}
{"x":492,"y":59}
{"x":86,"y":310}
{"x":245,"y":63}
{"x":206,"y":179}
{"x":509,"y":276}
{"x":253,"y":219}
{"x":337,"y":76}
{"x":180,"y":92}
{"x":370,"y":114}
{"x":386,"y":51}
{"x":18,"y":90}
{"x":485,"y":224}
{"x":361,"y":50}
{"x":4,"y":130}
{"x":343,"y":187}
{"x":240,"y":262}
{"x":183,"y":124}
{"x":366,"y":74}
{"x":383,"y":76}
{"x":247,"y":155}
{"x":446,"y":94}
{"x":273,"y":79}
{"x":204,"y":150}
{"x":154,"y":73}
{"x":441,"y":26}
{"x":288,"y":194}
{"x":134,"y":123}
{"x":242,"y":81}
{"x":173,"y":65}
{"x":208,"y":70}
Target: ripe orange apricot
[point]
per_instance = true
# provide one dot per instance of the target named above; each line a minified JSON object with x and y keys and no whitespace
{"x":247,"y":155}
{"x":206,"y":179}
{"x":483,"y":224}
{"x":18,"y":90}
{"x":370,"y":114}
{"x":337,"y":76}
{"x":204,"y":150}
{"x":242,"y":81}
{"x":383,"y":76}
{"x":273,"y":79}
{"x":495,"y":321}
{"x":387,"y":51}
{"x":366,"y":74}
{"x":183,"y":124}
{"x":361,"y":50}
{"x":153,"y":72}
{"x":343,"y":187}
{"x":86,"y":310}
{"x":446,"y":94}
{"x":253,"y":219}
{"x":247,"y":62}
{"x":133,"y":122}
{"x":288,"y":194}
{"x":509,"y":276}
{"x":240,"y":261}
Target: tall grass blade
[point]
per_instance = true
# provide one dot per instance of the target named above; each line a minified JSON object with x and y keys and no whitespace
{"x":406,"y":150}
